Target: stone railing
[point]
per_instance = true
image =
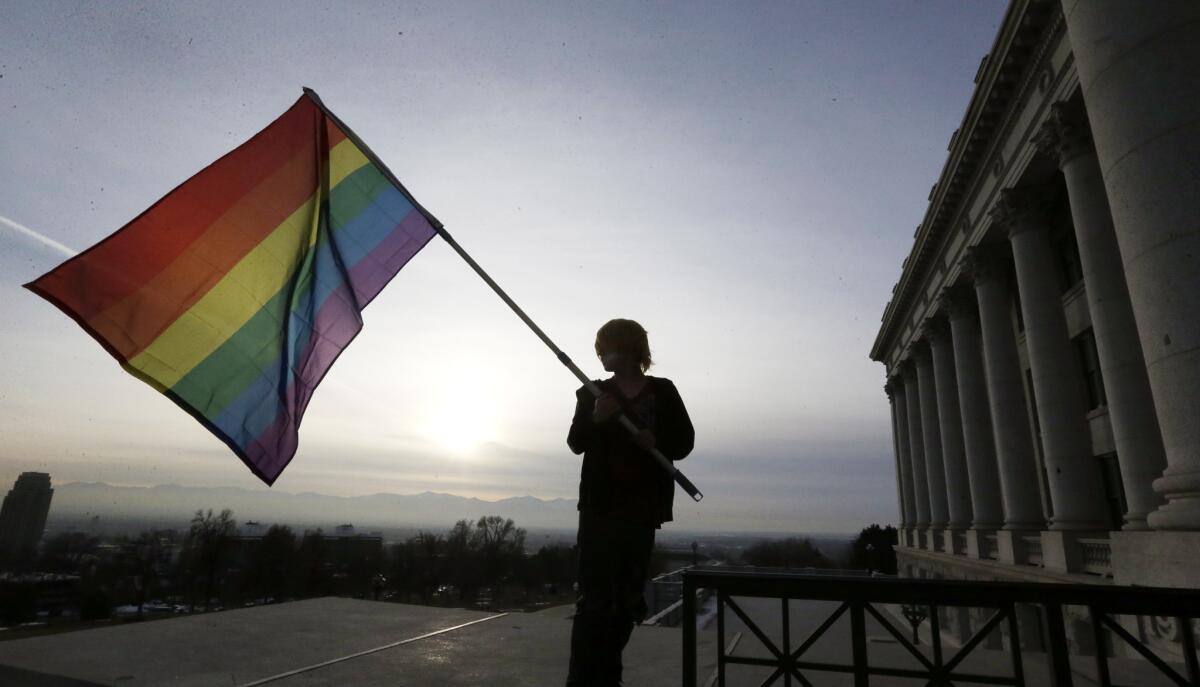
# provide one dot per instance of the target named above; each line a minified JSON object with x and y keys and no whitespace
{"x":988,"y":548}
{"x":1032,"y":544}
{"x":1097,"y":556}
{"x":960,"y":543}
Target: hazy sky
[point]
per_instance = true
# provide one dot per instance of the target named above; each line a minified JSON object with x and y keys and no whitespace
{"x":742,"y":178}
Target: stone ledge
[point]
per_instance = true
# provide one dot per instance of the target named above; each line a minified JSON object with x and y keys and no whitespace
{"x":1156,"y":558}
{"x":988,"y":569}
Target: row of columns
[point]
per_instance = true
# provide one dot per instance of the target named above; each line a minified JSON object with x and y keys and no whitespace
{"x":1137,"y":71}
{"x":965,"y":448}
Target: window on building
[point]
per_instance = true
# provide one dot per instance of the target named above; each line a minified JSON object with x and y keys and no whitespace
{"x":1016,"y":299}
{"x":1089,"y":362}
{"x":1066,"y":250}
{"x":1070,"y":269}
{"x":1114,"y":489}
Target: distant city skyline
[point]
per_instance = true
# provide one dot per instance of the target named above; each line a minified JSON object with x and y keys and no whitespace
{"x":726,"y":176}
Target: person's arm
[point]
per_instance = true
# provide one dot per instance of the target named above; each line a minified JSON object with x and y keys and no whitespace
{"x":675,"y":436}
{"x":583,"y":428}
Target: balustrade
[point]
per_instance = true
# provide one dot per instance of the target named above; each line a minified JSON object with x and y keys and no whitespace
{"x":1097,"y":556}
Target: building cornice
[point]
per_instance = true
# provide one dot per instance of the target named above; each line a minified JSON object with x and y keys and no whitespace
{"x":1004,"y":78}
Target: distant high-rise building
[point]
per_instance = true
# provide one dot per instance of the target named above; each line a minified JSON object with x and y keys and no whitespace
{"x":23,"y":515}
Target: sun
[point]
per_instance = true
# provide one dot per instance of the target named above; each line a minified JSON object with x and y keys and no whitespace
{"x":462,"y":416}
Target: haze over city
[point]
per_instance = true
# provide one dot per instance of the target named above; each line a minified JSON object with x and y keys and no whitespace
{"x":730,"y":181}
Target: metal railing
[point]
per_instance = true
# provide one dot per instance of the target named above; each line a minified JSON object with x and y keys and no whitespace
{"x":859,"y":596}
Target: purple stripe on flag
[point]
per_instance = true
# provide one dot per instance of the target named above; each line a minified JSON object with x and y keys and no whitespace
{"x":335,"y":326}
{"x":377,"y":268}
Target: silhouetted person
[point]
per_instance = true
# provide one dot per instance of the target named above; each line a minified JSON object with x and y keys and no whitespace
{"x":624,"y":495}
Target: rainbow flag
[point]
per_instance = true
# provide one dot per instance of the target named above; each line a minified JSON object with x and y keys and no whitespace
{"x":236,"y":292}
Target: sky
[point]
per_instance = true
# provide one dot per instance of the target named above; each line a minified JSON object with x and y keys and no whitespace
{"x":743,"y":179}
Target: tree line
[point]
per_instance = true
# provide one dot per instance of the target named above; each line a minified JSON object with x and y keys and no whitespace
{"x":871,"y":551}
{"x":479,"y":562}
{"x":209,"y":566}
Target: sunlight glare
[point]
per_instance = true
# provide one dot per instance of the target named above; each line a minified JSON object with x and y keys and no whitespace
{"x":462,"y":415}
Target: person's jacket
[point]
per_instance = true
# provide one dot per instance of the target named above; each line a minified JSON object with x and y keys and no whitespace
{"x":619,"y":478}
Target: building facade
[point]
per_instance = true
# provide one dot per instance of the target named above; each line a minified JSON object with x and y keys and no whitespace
{"x":23,"y":516}
{"x":1042,"y":344}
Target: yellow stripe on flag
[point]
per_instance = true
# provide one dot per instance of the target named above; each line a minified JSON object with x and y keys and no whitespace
{"x":344,"y":160}
{"x":243,"y":291}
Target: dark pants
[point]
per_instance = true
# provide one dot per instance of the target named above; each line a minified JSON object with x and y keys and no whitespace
{"x":614,"y":559}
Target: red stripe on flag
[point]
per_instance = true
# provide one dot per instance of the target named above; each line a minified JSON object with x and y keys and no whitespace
{"x":123,"y":263}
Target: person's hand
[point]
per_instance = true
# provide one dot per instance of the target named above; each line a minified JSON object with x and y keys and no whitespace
{"x":644,"y":439}
{"x":606,"y":407}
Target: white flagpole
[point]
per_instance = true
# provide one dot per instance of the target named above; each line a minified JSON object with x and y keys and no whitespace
{"x":562,"y":357}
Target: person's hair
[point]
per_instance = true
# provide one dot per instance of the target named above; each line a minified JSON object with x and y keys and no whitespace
{"x":627,"y":337}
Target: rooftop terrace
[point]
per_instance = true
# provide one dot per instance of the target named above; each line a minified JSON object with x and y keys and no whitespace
{"x":817,"y":629}
{"x":330,"y":641}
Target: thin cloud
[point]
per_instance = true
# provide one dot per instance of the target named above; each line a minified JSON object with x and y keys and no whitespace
{"x":37,"y":236}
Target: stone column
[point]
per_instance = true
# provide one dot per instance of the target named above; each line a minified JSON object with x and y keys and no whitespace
{"x":895,"y":393}
{"x":978,"y":443}
{"x":916,"y":445}
{"x":1076,"y":486}
{"x":958,"y":490}
{"x":1140,"y":455}
{"x":895,"y":459}
{"x":1006,"y":396}
{"x":935,"y":472}
{"x":1137,"y":70}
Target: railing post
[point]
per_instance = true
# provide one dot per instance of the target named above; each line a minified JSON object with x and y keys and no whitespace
{"x":1188,"y":640}
{"x":721,"y":638}
{"x":1014,"y":641}
{"x":689,"y":631}
{"x":935,"y":633}
{"x":1060,"y":660}
{"x":1094,"y":615}
{"x":858,"y":640}
{"x":787,"y":645}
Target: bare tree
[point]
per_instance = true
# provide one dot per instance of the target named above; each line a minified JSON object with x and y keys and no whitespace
{"x":313,"y":569}
{"x":501,"y":542}
{"x":272,"y":560}
{"x":428,"y":546}
{"x":67,"y":552}
{"x":145,"y":560}
{"x":461,"y":564}
{"x":793,"y":552}
{"x":204,"y":549}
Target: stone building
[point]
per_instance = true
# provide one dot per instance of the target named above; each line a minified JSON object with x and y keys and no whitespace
{"x":23,"y":516}
{"x":1042,"y":344}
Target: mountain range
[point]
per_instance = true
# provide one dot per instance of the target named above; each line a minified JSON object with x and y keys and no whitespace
{"x":171,"y":505}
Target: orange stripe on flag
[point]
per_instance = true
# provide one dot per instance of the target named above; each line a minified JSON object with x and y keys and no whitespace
{"x":118,"y":266}
{"x":131,"y":324}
